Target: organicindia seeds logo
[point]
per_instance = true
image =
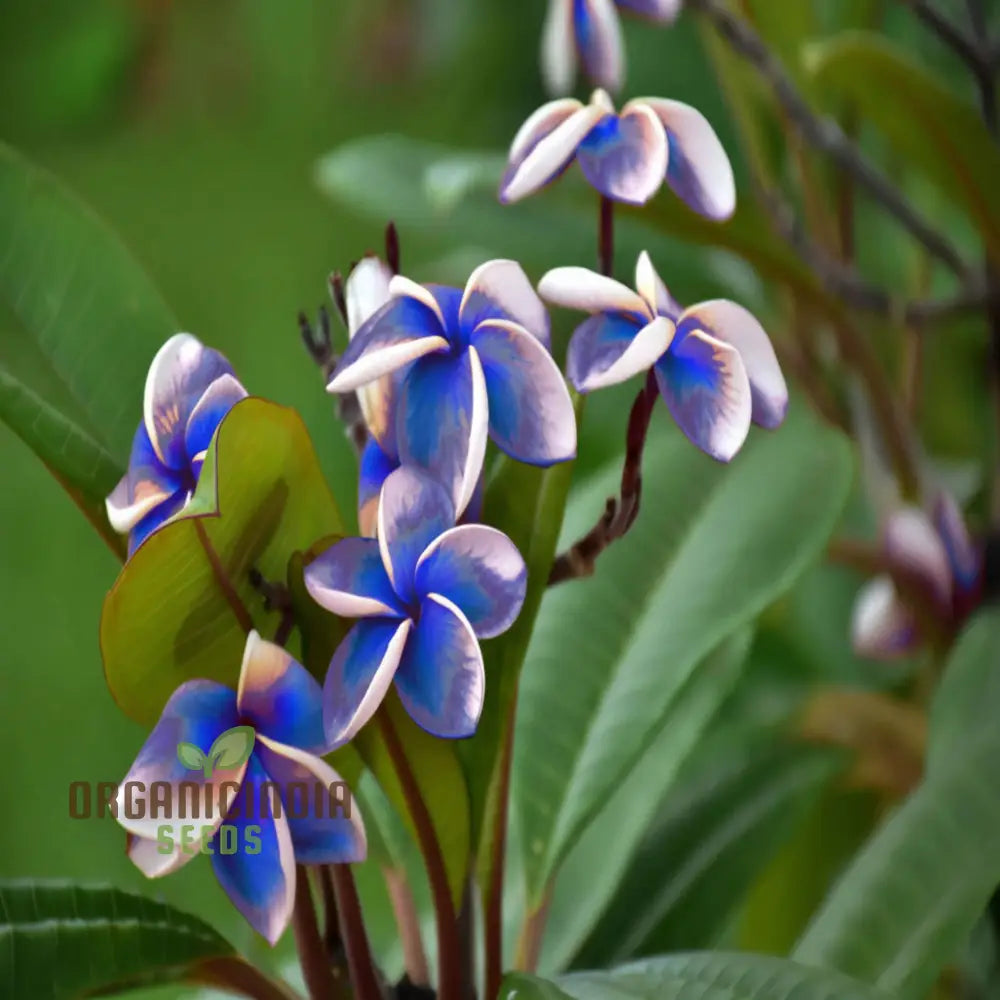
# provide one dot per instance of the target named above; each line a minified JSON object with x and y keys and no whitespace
{"x":231,"y":749}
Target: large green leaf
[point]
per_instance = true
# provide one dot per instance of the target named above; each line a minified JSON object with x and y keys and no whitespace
{"x":174,"y":613}
{"x":713,"y":546}
{"x":61,"y":940}
{"x":84,"y":323}
{"x":942,"y":134}
{"x":695,"y":976}
{"x":903,"y":909}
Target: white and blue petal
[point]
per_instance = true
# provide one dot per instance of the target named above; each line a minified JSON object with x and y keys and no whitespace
{"x":441,"y":680}
{"x":154,"y":862}
{"x":705,"y":386}
{"x":625,"y":156}
{"x":441,"y":421}
{"x":731,"y":323}
{"x":197,"y":712}
{"x":610,"y":348}
{"x":531,"y":415}
{"x":375,"y":468}
{"x":882,"y":627}
{"x":181,"y":371}
{"x":598,"y":35}
{"x":913,"y":547}
{"x":559,"y":48}
{"x":350,"y":580}
{"x":588,"y":291}
{"x":218,"y":399}
{"x":479,"y":570}
{"x":326,"y":828}
{"x":403,"y":330}
{"x":499,"y":289}
{"x":656,"y":10}
{"x":146,"y":485}
{"x":360,"y":673}
{"x":698,"y":168}
{"x":653,"y":291}
{"x":156,"y":518}
{"x":279,"y":697}
{"x":963,"y":556}
{"x":259,"y":875}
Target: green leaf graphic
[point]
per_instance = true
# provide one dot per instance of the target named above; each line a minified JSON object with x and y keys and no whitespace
{"x":231,"y":749}
{"x":190,"y":756}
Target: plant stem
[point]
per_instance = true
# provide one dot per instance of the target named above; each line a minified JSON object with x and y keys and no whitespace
{"x":222,"y":578}
{"x":408,"y":924}
{"x":529,"y":948}
{"x":352,"y":933}
{"x":331,"y":925}
{"x":449,"y":943}
{"x":234,"y":974}
{"x":312,"y":955}
{"x":606,"y":237}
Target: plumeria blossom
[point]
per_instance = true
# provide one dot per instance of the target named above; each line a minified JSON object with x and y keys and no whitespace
{"x":714,"y":364}
{"x":471,"y":364}
{"x":626,"y":156}
{"x":189,"y":389}
{"x":588,"y":31}
{"x":283,"y":704}
{"x":426,"y":592}
{"x":934,"y":555}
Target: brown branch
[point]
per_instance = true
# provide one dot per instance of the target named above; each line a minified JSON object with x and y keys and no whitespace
{"x":233,"y":599}
{"x":352,"y":933}
{"x":404,"y":909}
{"x":312,"y":955}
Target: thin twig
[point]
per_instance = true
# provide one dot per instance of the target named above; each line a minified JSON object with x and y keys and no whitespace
{"x":276,"y":598}
{"x":404,"y":909}
{"x":965,"y":45}
{"x":352,"y":933}
{"x":312,"y":955}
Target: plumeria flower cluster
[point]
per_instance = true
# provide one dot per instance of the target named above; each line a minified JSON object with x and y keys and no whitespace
{"x":935,"y":557}
{"x":589,"y":32}
{"x":713,"y":362}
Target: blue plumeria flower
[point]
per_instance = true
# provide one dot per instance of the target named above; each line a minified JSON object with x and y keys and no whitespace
{"x":588,"y":31}
{"x":472,"y":364}
{"x":283,"y":703}
{"x":625,"y":156}
{"x":936,"y":555}
{"x":713,"y":362}
{"x":426,"y":592}
{"x":189,"y":389}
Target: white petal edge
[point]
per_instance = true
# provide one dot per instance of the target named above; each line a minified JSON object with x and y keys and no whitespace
{"x":652,"y":288}
{"x":366,"y":291}
{"x":878,"y":620}
{"x":346,"y":604}
{"x":124,"y":516}
{"x":145,"y":854}
{"x":166,"y":357}
{"x":649,"y":345}
{"x":402,"y":287}
{"x":588,"y":291}
{"x":562,"y":108}
{"x":478,"y":433}
{"x":383,"y":361}
{"x":558,"y":48}
{"x":504,"y":281}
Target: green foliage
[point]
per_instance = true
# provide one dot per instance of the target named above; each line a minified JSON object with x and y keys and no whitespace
{"x":174,"y":612}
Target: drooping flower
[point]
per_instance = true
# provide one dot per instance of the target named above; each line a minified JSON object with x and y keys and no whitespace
{"x":714,"y":364}
{"x":259,"y":812}
{"x":936,"y":558}
{"x":588,"y":31}
{"x":472,"y":364}
{"x":625,"y":156}
{"x":189,"y":389}
{"x":426,"y":592}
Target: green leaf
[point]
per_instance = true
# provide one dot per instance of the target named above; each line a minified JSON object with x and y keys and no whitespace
{"x":906,"y":904}
{"x":176,"y":610}
{"x":712,"y":547}
{"x":191,"y":756}
{"x":85,"y":324}
{"x":60,"y":940}
{"x":232,"y":748}
{"x":927,"y":124}
{"x":695,"y":976}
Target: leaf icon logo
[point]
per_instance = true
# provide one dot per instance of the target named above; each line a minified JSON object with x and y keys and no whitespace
{"x":230,"y":749}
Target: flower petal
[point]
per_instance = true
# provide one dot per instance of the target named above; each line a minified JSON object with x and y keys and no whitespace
{"x":598,"y":36}
{"x":654,"y":292}
{"x":279,"y":697}
{"x":698,"y":168}
{"x":625,"y":156}
{"x":146,"y":485}
{"x":400,"y":332}
{"x":253,"y":857}
{"x":913,"y":546}
{"x":181,"y":371}
{"x":152,"y":860}
{"x":441,"y":680}
{"x":350,"y":580}
{"x":608,"y":349}
{"x":366,"y":291}
{"x":541,"y":160}
{"x":559,"y":48}
{"x":375,"y":468}
{"x":706,"y":389}
{"x":658,"y":10}
{"x":963,"y":556}
{"x":196,"y":713}
{"x":732,"y":324}
{"x":881,"y":625}
{"x":323,"y":818}
{"x":360,"y":674}
{"x":441,"y":422}
{"x":218,"y":399}
{"x":400,"y":286}
{"x":581,"y":288}
{"x":499,"y":289}
{"x":157,"y":517}
{"x":530,"y":413}
{"x":480,"y":570}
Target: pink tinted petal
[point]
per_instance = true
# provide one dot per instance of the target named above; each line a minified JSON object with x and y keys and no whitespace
{"x":580,"y":288}
{"x":531,"y":415}
{"x":706,"y":389}
{"x":625,"y":157}
{"x":559,"y":48}
{"x":146,"y":485}
{"x":657,"y":10}
{"x":499,"y":289}
{"x":375,"y":468}
{"x":963,"y":556}
{"x":219,"y":398}
{"x":359,"y":676}
{"x":350,"y":580}
{"x":882,"y":627}
{"x":654,"y":292}
{"x":913,"y":546}
{"x":698,"y":170}
{"x":728,"y":322}
{"x":441,"y":679}
{"x":323,"y":818}
{"x":155,"y":859}
{"x":599,"y":42}
{"x":608,"y":349}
